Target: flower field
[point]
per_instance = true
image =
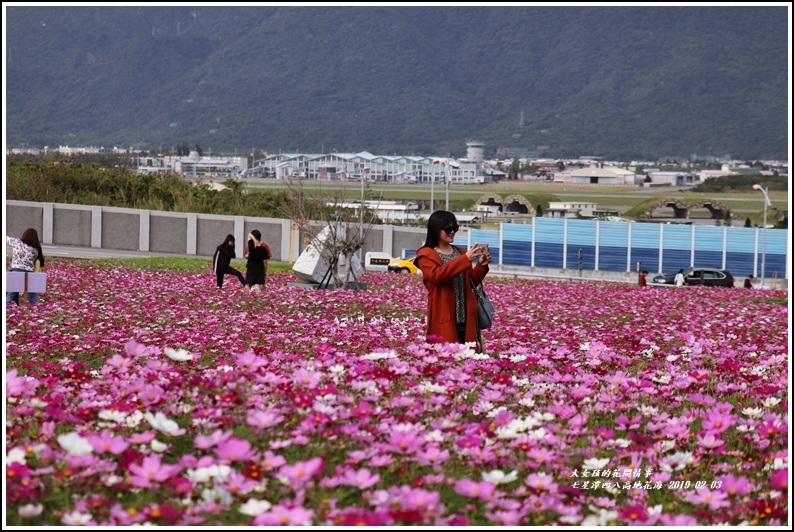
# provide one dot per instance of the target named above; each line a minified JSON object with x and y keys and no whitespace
{"x":136,"y":396}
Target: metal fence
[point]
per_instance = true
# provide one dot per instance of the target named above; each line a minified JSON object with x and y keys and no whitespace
{"x":619,"y":246}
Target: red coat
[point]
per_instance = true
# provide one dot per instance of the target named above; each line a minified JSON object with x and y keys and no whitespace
{"x":441,"y":293}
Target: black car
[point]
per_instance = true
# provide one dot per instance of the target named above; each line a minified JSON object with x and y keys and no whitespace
{"x":698,"y":277}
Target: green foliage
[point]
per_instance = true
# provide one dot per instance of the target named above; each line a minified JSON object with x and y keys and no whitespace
{"x":68,"y":182}
{"x":741,"y":183}
{"x":388,"y":79}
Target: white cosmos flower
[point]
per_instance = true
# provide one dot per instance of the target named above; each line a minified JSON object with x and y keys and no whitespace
{"x":75,"y":518}
{"x":506,"y":432}
{"x":30,"y":510}
{"x":595,"y":463}
{"x":499,"y":477}
{"x":254,"y":507}
{"x":112,"y":415}
{"x":381,"y":355}
{"x":75,"y":445}
{"x":158,"y":446}
{"x":216,"y":494}
{"x":753,"y":413}
{"x":770,"y":402}
{"x":163,"y":424}
{"x":134,"y":419}
{"x":17,"y":454}
{"x":179,"y":355}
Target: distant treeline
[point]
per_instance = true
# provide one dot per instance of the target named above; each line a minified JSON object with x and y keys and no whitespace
{"x":92,"y":184}
{"x":741,"y":183}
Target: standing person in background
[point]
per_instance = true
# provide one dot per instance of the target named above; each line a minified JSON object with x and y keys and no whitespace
{"x":448,"y":273}
{"x":25,"y":253}
{"x":222,"y":260}
{"x":643,"y":279}
{"x":679,"y":278}
{"x":256,"y":267}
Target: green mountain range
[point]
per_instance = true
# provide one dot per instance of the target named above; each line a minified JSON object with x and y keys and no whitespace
{"x":617,"y":82}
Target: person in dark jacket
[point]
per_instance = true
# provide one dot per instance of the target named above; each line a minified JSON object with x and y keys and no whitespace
{"x":222,"y":260}
{"x":256,"y":267}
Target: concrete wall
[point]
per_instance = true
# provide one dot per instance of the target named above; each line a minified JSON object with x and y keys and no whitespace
{"x":173,"y":232}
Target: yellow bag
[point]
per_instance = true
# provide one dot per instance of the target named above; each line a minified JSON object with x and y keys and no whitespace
{"x":37,"y":266}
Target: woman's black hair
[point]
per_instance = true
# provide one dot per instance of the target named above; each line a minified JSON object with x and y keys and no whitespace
{"x":229,"y":238}
{"x":438,"y":221}
{"x":31,"y":238}
{"x":257,"y":234}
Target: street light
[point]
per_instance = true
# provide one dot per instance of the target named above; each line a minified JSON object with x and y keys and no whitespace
{"x":767,"y":204}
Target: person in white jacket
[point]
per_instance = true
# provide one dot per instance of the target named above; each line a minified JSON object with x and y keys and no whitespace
{"x":679,"y":278}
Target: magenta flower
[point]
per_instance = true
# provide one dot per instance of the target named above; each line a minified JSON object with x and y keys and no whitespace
{"x":778,"y":479}
{"x":604,"y":432}
{"x":233,"y":450}
{"x":717,"y":421}
{"x":106,"y":442}
{"x":151,"y":470}
{"x":469,"y":488}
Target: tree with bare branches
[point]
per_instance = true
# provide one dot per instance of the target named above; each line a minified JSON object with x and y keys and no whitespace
{"x":332,"y":224}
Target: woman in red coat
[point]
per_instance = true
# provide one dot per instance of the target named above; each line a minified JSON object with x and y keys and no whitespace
{"x":447,"y":273}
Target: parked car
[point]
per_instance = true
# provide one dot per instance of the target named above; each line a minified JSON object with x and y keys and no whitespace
{"x":698,"y":277}
{"x":404,"y":266}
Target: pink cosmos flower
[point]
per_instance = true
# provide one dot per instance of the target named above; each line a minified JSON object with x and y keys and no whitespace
{"x":541,"y":482}
{"x":380,"y":460}
{"x":151,"y":470}
{"x":263,"y":419}
{"x":142,"y":438}
{"x":122,"y":364}
{"x":734,"y":485}
{"x":362,"y":479}
{"x":282,"y":516}
{"x":271,"y":461}
{"x":717,"y":421}
{"x":234,"y":450}
{"x":237,"y":483}
{"x":470,"y":488}
{"x":249,"y":362}
{"x":305,"y":378}
{"x":106,"y":442}
{"x":202,"y":441}
{"x":404,"y":442}
{"x":709,"y":441}
{"x":301,"y":471}
{"x":432,"y":456}
{"x":678,"y":520}
{"x":714,"y":499}
{"x":505,"y":517}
